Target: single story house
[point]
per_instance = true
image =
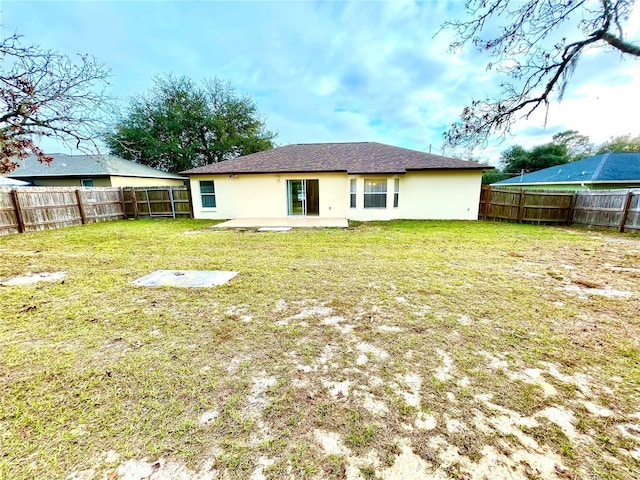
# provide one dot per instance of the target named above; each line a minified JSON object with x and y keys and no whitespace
{"x":91,"y":171}
{"x":358,"y":181}
{"x":602,"y":172}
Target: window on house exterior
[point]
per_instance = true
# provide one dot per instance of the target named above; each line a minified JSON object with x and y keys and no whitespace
{"x":86,"y":182}
{"x":352,"y":193}
{"x":396,"y":192}
{"x":208,"y":194}
{"x":375,"y":193}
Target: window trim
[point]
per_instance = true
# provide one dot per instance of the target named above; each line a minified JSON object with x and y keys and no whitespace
{"x":204,"y":195}
{"x":396,"y":192}
{"x":353,"y":193}
{"x":371,"y":195}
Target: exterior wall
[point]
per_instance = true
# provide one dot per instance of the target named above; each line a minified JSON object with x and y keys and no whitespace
{"x":117,"y":181}
{"x":70,"y":181}
{"x":422,"y":195}
{"x":265,"y":195}
{"x":440,"y":195}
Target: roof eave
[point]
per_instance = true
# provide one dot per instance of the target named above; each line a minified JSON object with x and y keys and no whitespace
{"x":89,"y":174}
{"x":432,"y":169}
{"x":262,"y":172}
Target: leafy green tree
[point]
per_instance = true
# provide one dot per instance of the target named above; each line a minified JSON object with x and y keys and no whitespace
{"x":517,"y":159}
{"x":514,"y":159}
{"x":493,"y":176}
{"x":548,"y":155}
{"x":578,"y":146}
{"x":179,"y":125}
{"x":621,"y":144}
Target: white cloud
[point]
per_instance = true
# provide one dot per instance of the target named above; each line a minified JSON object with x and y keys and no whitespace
{"x":324,"y":71}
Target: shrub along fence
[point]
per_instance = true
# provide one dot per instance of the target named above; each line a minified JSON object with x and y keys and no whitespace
{"x":29,"y":209}
{"x":619,"y":209}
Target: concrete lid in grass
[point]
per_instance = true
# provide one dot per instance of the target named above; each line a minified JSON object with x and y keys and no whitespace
{"x":30,"y":278}
{"x":185,"y":278}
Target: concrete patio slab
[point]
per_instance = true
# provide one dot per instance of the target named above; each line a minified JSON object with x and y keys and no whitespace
{"x":293,"y":222}
{"x":274,"y":229}
{"x":185,"y":278}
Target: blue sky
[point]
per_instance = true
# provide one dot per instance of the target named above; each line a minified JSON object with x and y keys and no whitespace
{"x":324,"y":71}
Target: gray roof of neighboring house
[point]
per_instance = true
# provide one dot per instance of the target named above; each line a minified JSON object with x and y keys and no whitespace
{"x":85,"y":166}
{"x":11,"y":182}
{"x":603,"y":168}
{"x":352,"y":158}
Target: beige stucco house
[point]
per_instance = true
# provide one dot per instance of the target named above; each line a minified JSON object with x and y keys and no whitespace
{"x":92,"y":171}
{"x":358,"y":181}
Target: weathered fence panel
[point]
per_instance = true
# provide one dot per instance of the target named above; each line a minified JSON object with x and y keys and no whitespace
{"x":100,"y":205}
{"x":30,"y":209}
{"x":618,"y":209}
{"x":632,"y":223}
{"x":157,"y":202}
{"x":525,"y":205}
{"x":500,"y":204}
{"x":599,"y":209}
{"x":9,"y":222}
{"x":42,"y":209}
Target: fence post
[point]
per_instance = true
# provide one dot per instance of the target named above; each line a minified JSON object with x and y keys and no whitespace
{"x":572,"y":206}
{"x":485,"y":199}
{"x":123,"y":203}
{"x":191,"y":212}
{"x":134,"y":201}
{"x":83,"y":216}
{"x":521,"y":206}
{"x":173,"y":206}
{"x":625,"y":211}
{"x":16,"y":205}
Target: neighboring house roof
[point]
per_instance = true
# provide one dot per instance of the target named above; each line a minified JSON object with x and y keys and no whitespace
{"x":353,"y":158}
{"x":603,"y":168}
{"x":86,"y":166}
{"x":12,"y":182}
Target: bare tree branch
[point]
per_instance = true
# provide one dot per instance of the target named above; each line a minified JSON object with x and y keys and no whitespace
{"x":44,"y":93}
{"x":530,"y":52}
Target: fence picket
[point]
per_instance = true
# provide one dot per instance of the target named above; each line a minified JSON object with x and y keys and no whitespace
{"x":619,"y":209}
{"x":28,"y":209}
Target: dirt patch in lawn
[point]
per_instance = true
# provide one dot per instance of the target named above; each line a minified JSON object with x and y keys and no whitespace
{"x":31,"y":278}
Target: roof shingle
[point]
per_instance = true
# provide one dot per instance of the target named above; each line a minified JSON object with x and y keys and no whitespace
{"x":606,"y":167}
{"x":352,"y":158}
{"x":85,"y":165}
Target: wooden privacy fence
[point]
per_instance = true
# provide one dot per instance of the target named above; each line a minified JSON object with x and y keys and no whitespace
{"x":29,"y":209}
{"x":157,"y":202}
{"x":618,"y":209}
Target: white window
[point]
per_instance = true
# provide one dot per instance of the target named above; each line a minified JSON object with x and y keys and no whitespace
{"x":208,"y":194}
{"x":375,"y":193}
{"x":86,"y":182}
{"x":396,"y":192}
{"x":352,"y":193}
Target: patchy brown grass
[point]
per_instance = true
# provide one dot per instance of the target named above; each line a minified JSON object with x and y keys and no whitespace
{"x":389,"y":350}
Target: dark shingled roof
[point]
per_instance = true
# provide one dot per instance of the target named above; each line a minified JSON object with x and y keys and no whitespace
{"x":86,"y":165}
{"x":603,"y":168}
{"x":352,"y":158}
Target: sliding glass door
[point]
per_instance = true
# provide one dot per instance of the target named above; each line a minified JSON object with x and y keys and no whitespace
{"x":303,"y":197}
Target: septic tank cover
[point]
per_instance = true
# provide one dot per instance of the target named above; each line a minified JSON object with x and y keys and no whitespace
{"x":185,"y":278}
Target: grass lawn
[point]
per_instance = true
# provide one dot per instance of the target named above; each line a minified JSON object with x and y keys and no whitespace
{"x":398,"y":350}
